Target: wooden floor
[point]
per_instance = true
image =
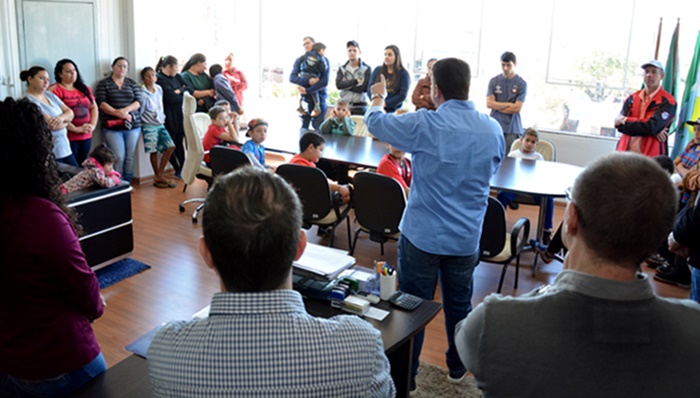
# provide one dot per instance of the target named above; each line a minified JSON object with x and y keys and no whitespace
{"x":179,"y":284}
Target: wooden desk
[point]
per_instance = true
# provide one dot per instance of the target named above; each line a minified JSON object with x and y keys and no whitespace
{"x":531,"y":177}
{"x":349,"y":150}
{"x":129,"y":378}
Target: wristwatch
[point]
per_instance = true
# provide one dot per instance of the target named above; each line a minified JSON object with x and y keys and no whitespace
{"x":377,"y":95}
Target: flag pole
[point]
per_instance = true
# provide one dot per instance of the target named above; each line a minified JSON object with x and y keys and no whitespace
{"x":658,"y":39}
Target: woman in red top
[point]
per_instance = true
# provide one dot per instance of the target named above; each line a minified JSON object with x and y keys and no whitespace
{"x":48,"y":293}
{"x":71,"y":89}
{"x":236,"y":78}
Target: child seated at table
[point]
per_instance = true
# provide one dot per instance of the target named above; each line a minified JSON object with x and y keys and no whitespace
{"x":528,"y":143}
{"x":310,"y":150}
{"x":396,"y":166}
{"x":257,"y":131}
{"x":221,"y":130}
{"x":340,"y":121}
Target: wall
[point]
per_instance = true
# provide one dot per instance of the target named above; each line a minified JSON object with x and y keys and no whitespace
{"x":578,"y":149}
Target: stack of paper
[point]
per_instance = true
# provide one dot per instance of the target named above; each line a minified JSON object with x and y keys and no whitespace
{"x":324,"y":261}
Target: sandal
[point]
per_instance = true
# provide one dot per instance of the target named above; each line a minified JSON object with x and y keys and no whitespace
{"x":161,"y":184}
{"x":171,"y":184}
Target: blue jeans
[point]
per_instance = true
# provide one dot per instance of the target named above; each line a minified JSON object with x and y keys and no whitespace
{"x":123,"y":144}
{"x":695,"y":285}
{"x":81,"y":150}
{"x":316,"y":122}
{"x":55,"y":387}
{"x":418,"y":275}
{"x":69,"y":160}
{"x":506,"y":197}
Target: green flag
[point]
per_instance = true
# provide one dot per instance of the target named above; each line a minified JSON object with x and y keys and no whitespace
{"x":688,"y":104}
{"x":670,"y":82}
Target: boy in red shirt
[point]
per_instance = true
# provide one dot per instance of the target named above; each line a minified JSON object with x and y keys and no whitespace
{"x":220,"y":130}
{"x":396,"y":166}
{"x":310,"y":150}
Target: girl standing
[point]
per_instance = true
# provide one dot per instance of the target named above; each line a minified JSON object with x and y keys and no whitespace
{"x":174,"y":88}
{"x":397,"y":79}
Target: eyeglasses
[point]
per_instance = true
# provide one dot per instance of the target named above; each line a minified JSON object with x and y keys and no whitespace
{"x":569,"y":195}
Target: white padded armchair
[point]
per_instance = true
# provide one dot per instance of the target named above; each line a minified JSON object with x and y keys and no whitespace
{"x":195,"y":125}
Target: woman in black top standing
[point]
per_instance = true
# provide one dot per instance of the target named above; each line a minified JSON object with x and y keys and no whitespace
{"x":174,"y":88}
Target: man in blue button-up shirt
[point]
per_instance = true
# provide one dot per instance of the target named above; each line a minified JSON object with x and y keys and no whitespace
{"x":455,"y":151}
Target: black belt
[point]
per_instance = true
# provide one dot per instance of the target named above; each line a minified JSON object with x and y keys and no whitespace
{"x":359,"y":103}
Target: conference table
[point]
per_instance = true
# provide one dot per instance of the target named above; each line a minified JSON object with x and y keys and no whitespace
{"x":535,"y":177}
{"x":129,"y":378}
{"x":348,"y":150}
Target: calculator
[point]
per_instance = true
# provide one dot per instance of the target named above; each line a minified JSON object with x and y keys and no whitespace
{"x":405,"y":301}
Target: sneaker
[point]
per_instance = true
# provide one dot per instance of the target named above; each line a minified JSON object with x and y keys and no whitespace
{"x":541,"y":249}
{"x":664,"y":268}
{"x":655,"y":261}
{"x":679,"y":277}
{"x":316,"y":111}
{"x":301,"y":111}
{"x":412,"y":388}
{"x":456,"y":376}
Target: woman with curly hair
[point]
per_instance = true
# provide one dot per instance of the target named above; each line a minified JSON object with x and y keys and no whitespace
{"x":48,"y":293}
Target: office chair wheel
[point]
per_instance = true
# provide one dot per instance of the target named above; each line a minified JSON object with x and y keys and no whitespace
{"x":182,"y":208}
{"x":514,"y":205}
{"x":194,"y":220}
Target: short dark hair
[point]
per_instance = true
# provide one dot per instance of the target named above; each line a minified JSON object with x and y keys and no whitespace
{"x":453,"y":77}
{"x":508,"y":57}
{"x":318,"y":47}
{"x":103,"y":155}
{"x":626,"y":205}
{"x":216,"y":111}
{"x":532,"y":133}
{"x":215,"y":70}
{"x":251,"y":227}
{"x":222,"y":102}
{"x":666,"y":163}
{"x":120,"y":58}
{"x":310,"y":138}
{"x":145,"y":70}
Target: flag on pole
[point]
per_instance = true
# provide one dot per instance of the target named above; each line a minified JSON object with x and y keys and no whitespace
{"x":690,"y":106}
{"x":670,"y":82}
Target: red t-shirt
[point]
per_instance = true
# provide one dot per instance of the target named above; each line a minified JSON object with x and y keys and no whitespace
{"x":80,"y":105}
{"x":297,"y":159}
{"x":211,"y":139}
{"x":390,"y":167}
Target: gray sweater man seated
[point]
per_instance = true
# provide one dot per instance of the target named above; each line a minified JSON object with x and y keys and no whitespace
{"x":599,"y":328}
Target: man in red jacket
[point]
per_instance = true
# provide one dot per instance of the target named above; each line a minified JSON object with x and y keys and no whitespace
{"x":646,"y":115}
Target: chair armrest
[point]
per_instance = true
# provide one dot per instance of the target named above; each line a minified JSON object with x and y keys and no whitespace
{"x":516,"y":244}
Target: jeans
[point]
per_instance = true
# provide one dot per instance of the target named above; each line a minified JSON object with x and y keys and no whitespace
{"x":318,"y":120}
{"x":418,"y":274}
{"x":695,"y":285}
{"x":506,"y":197}
{"x":123,"y":144}
{"x":55,"y":387}
{"x":69,"y":160}
{"x":81,"y":150}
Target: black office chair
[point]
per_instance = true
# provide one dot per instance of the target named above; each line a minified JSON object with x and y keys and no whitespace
{"x":225,"y":160}
{"x":379,"y":202}
{"x":499,"y":246}
{"x":320,"y":207}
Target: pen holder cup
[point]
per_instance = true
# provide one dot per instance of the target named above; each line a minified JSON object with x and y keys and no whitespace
{"x":387,"y":286}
